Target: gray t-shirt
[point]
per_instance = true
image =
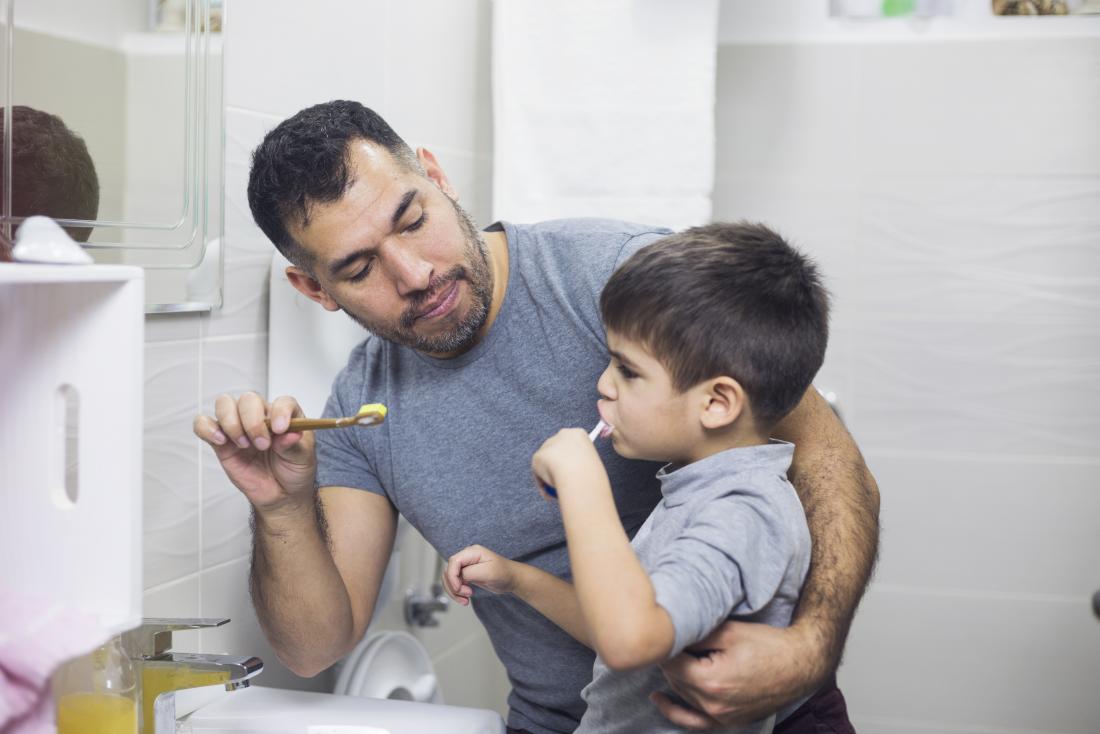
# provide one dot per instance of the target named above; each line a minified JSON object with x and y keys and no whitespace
{"x":454,"y":454}
{"x":729,"y":540}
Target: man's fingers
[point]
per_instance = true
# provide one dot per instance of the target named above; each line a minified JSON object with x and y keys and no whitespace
{"x":253,"y":412}
{"x":282,"y":409}
{"x":681,"y":715}
{"x":721,"y":638}
{"x":687,"y":667}
{"x":208,"y":430}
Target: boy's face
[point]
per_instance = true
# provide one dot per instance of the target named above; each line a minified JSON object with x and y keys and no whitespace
{"x":652,"y":419}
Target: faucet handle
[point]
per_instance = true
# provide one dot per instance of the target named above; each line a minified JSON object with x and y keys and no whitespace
{"x":154,"y":636}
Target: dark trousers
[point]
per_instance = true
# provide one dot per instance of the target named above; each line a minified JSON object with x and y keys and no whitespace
{"x":824,"y":713}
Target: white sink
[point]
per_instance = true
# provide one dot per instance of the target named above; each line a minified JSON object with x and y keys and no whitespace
{"x":299,"y":712}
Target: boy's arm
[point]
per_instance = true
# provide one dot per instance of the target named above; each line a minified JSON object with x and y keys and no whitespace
{"x":754,"y":669}
{"x":628,"y":628}
{"x":552,"y":597}
{"x":626,"y":625}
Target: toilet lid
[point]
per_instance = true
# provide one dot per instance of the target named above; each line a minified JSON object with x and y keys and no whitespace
{"x":391,"y":665}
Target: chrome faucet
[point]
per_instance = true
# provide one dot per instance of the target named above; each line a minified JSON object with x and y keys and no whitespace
{"x":150,"y":647}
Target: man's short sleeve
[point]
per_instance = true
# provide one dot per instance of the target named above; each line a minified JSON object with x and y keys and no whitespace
{"x":342,"y":460}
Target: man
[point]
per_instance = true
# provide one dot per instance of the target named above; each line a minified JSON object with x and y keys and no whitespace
{"x":483,"y":345}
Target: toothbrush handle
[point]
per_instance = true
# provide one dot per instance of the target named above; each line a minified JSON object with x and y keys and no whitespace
{"x":592,"y":436}
{"x":316,"y":424}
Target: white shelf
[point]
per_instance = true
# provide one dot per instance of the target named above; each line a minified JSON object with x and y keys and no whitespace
{"x":50,"y":274}
{"x":71,"y":383}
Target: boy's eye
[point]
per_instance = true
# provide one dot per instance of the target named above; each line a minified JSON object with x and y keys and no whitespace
{"x":418,"y":223}
{"x":627,"y":372}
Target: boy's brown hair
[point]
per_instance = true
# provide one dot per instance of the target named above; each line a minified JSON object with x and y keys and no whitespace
{"x":725,"y":299}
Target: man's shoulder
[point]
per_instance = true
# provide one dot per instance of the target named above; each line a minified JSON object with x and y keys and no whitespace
{"x":362,"y":360}
{"x":583,"y":228}
{"x":590,"y":245}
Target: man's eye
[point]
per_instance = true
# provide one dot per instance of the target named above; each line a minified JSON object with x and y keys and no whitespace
{"x":361,"y":274}
{"x":627,"y":372}
{"x":418,"y":223}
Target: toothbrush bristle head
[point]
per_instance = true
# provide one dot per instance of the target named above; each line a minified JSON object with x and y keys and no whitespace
{"x":371,"y":413}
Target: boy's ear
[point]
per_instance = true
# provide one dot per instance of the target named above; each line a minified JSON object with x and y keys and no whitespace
{"x":308,"y":286}
{"x":724,"y":401}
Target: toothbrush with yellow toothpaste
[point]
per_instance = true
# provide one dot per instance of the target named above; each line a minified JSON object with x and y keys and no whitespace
{"x":370,"y":414}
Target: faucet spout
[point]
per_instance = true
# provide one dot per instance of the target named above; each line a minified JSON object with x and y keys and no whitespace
{"x":191,"y":670}
{"x":163,"y":672}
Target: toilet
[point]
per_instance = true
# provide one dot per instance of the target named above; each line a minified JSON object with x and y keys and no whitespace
{"x":307,"y":347}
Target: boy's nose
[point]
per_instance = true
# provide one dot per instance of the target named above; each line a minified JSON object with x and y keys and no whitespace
{"x":605,"y":385}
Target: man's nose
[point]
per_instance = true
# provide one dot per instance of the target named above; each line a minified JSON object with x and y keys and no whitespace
{"x":409,"y":271}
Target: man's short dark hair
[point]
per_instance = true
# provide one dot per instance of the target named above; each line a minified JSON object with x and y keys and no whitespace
{"x":304,"y":161}
{"x":725,"y":299}
{"x":52,"y":172}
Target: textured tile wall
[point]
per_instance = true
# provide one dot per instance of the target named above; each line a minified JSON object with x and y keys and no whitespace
{"x":951,"y":192}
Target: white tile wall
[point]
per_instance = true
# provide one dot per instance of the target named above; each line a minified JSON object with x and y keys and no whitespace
{"x":972,"y":662}
{"x":424,"y":65}
{"x":232,"y":365}
{"x":960,"y":245}
{"x":171,"y":503}
{"x":282,"y":56}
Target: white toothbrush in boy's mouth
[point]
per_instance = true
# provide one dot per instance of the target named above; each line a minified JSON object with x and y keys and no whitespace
{"x":603,"y":429}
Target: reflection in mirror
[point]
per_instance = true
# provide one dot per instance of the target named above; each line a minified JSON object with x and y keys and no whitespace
{"x":115,"y":131}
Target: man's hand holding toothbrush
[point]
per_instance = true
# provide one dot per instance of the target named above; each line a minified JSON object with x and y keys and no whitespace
{"x":272,"y":466}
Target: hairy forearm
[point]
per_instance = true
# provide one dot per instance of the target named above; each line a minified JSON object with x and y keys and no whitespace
{"x":841,"y":501}
{"x":299,"y":596}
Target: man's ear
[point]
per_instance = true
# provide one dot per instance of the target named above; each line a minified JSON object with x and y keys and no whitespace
{"x":434,"y":171}
{"x":724,"y":400}
{"x":308,"y":286}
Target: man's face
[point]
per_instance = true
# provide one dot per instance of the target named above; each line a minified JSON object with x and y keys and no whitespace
{"x":399,"y":256}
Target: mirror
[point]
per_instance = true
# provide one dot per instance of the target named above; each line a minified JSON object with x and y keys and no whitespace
{"x":115,"y":131}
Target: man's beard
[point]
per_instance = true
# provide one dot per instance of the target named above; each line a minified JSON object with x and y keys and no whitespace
{"x":477,"y":274}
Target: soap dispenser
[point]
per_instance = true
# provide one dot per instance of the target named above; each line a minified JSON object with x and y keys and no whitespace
{"x":97,"y":693}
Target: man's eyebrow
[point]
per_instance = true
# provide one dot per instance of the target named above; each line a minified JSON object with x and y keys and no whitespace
{"x":402,"y":206}
{"x":335,"y":268}
{"x":406,"y":200}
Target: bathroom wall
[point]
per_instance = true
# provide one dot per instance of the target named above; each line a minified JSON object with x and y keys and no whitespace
{"x":947,"y":178}
{"x":424,"y":66}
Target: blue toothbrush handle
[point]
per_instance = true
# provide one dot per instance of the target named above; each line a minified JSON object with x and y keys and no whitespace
{"x":550,"y":490}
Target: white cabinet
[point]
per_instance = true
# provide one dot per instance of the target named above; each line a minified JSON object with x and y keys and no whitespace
{"x":71,"y":346}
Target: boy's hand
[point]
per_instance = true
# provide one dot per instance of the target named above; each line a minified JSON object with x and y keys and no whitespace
{"x":477,"y":566}
{"x":566,"y":455}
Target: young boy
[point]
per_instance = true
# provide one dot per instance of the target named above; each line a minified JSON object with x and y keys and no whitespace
{"x":714,"y":336}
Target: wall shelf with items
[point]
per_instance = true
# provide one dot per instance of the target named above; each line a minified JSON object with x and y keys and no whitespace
{"x":71,"y":384}
{"x":874,"y":21}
